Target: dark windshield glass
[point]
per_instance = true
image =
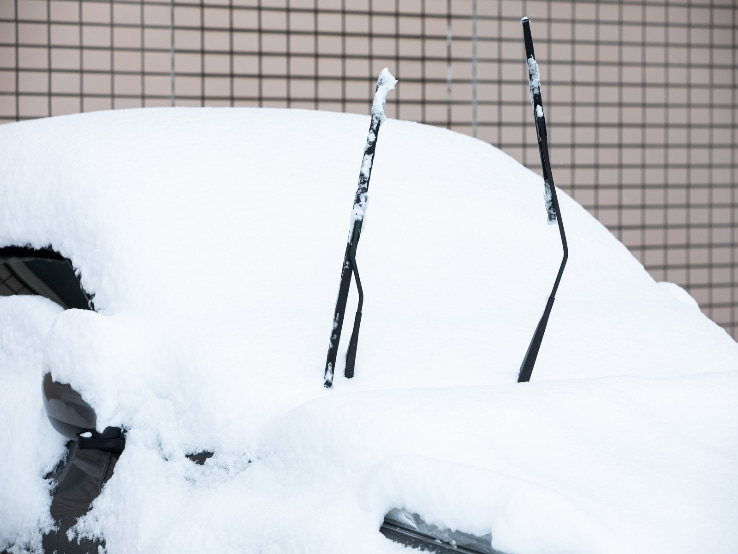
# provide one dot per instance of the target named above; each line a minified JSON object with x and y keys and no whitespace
{"x":41,"y":272}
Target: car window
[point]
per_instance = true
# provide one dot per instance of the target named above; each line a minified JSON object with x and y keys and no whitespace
{"x":42,"y":272}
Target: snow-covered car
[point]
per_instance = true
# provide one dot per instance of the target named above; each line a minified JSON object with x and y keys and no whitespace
{"x":199,"y":251}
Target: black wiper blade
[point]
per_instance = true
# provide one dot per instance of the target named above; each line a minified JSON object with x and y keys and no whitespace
{"x":552,"y":203}
{"x":410,"y":529}
{"x":385,"y":83}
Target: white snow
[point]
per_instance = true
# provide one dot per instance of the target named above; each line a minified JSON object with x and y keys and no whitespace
{"x":29,"y":443}
{"x":213,"y":240}
{"x":385,"y":84}
{"x":534,"y":81}
{"x":548,"y":199}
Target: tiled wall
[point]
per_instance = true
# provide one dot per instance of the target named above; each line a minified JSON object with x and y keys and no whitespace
{"x":640,"y":95}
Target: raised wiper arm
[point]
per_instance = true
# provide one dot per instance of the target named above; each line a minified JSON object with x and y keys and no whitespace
{"x":385,"y":83}
{"x":552,"y":203}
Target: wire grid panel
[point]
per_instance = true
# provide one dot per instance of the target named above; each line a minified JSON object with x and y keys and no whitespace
{"x":640,"y":95}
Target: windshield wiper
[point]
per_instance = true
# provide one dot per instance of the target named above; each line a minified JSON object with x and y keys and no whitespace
{"x":552,"y":202}
{"x":385,"y":83}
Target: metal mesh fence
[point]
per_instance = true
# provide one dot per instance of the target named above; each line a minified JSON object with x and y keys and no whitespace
{"x":640,"y":94}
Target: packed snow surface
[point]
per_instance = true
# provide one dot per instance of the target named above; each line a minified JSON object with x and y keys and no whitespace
{"x":212,"y":240}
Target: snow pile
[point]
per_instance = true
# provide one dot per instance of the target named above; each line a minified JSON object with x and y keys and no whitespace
{"x":213,"y":240}
{"x":30,"y":445}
